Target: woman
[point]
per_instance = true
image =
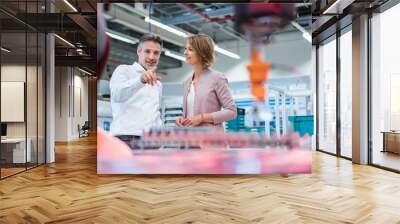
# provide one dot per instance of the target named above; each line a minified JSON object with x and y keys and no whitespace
{"x":206,"y":99}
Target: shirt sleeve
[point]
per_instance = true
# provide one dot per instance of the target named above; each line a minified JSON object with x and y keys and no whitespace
{"x":160,"y":103}
{"x":122,"y":85}
{"x":229,"y":110}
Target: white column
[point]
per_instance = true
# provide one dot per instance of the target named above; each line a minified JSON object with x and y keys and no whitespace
{"x":50,"y":99}
{"x":63,"y":100}
{"x":360,"y":90}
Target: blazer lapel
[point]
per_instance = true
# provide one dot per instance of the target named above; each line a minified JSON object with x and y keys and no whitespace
{"x":201,"y":83}
{"x":201,"y":87}
{"x":186,"y":87}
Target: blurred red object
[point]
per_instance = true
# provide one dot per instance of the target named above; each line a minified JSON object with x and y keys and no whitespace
{"x":103,"y":41}
{"x":113,"y":155}
{"x":262,"y":19}
{"x":111,"y":148}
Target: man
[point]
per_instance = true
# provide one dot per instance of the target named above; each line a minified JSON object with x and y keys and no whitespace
{"x":136,"y":92}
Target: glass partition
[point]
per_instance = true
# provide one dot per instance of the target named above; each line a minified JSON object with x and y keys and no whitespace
{"x":31,"y":100}
{"x":327,"y":96}
{"x":13,"y":104}
{"x":22,"y":64}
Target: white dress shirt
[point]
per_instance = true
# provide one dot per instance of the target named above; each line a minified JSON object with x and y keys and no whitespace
{"x":190,"y":101}
{"x":135,"y":106}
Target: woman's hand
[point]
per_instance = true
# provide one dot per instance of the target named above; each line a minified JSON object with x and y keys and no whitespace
{"x":181,"y":122}
{"x":191,"y":121}
{"x":194,"y":121}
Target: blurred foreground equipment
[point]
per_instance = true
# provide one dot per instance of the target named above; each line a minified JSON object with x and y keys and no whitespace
{"x":253,"y":154}
{"x":258,"y":21}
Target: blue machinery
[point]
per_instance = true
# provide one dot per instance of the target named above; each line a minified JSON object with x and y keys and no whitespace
{"x":295,"y":113}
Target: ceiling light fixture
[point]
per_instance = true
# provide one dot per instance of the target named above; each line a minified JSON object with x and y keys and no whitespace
{"x":331,"y":7}
{"x":64,"y":40}
{"x":86,"y":72}
{"x":70,"y":5}
{"x":165,"y":27}
{"x":226,"y":52}
{"x":122,"y":37}
{"x":172,"y":55}
{"x":183,"y":34}
{"x":306,"y":35}
{"x":79,"y":51}
{"x":5,"y":49}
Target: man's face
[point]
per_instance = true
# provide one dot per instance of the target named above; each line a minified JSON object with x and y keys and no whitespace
{"x":149,"y":54}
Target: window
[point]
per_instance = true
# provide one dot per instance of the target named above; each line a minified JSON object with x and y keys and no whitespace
{"x":327,"y":96}
{"x":346,"y":92}
{"x":385,"y":88}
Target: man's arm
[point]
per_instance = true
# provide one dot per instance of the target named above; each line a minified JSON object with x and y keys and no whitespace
{"x":122,"y":86}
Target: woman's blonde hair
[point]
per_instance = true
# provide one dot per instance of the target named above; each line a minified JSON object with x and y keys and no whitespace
{"x":203,"y":45}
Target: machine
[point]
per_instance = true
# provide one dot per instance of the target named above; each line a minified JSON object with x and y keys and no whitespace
{"x":258,"y":22}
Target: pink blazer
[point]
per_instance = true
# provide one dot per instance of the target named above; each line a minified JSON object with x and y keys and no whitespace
{"x":212,"y":95}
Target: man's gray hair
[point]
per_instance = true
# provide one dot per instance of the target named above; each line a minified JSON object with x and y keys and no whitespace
{"x":150,"y":37}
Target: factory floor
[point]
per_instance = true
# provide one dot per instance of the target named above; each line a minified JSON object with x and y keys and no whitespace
{"x":70,"y":191}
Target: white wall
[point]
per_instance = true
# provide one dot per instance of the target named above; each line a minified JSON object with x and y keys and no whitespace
{"x":61,"y":103}
{"x":33,"y":126}
{"x":70,"y":84}
{"x":12,"y":73}
{"x":79,"y":117}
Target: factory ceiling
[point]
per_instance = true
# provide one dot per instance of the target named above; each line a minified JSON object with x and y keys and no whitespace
{"x":215,"y":19}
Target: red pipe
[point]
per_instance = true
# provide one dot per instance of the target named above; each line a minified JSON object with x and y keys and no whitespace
{"x":205,"y":16}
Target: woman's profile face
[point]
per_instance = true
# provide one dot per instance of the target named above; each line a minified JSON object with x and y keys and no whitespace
{"x":191,"y":56}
